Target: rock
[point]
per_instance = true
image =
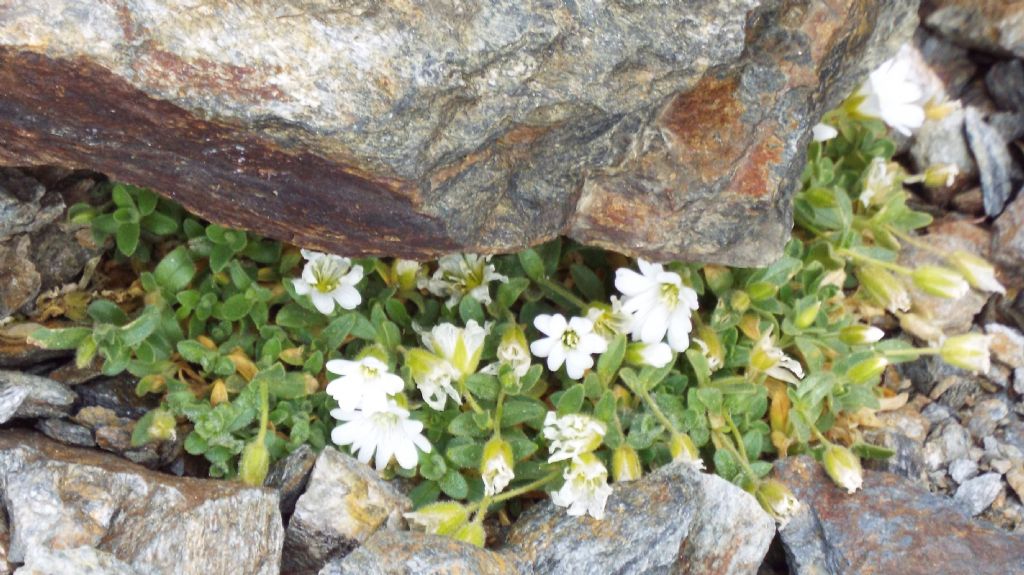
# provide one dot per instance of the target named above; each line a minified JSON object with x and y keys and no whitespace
{"x":975,"y":495}
{"x":963,"y":469}
{"x":1005,"y":82}
{"x":970,"y":202}
{"x":674,"y":520}
{"x":66,"y":432}
{"x":389,"y":552}
{"x":947,"y":443}
{"x":1015,"y":477}
{"x":993,"y":158}
{"x":26,"y":396}
{"x":908,"y":422}
{"x":907,"y":459}
{"x":24,"y":204}
{"x":21,"y":280}
{"x":1006,"y":345}
{"x":345,"y":502}
{"x":1008,"y":234}
{"x":116,"y":393}
{"x":985,"y":417}
{"x":79,"y":561}
{"x":995,"y":26}
{"x":936,"y":413}
{"x":289,"y":476}
{"x":16,"y":352}
{"x":377,"y":127}
{"x":60,"y":251}
{"x":116,"y":437}
{"x":891,"y":525}
{"x":943,"y":142}
{"x":1010,"y":125}
{"x":5,"y":545}
{"x":941,"y":382}
{"x":59,"y":497}
{"x":950,"y":62}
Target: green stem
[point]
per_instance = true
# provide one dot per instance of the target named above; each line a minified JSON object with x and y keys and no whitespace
{"x":563,"y":293}
{"x":915,"y":352}
{"x":657,"y":412}
{"x":264,"y":410}
{"x":736,"y":435}
{"x":887,"y":265}
{"x":727,"y":443}
{"x":512,"y":493}
{"x":497,"y":413}
{"x":916,"y":242}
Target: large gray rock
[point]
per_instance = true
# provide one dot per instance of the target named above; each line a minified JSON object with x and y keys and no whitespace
{"x":344,"y":503}
{"x":77,"y":561}
{"x":289,"y":476}
{"x":673,"y":129}
{"x":676,"y":520}
{"x":990,"y":25}
{"x":58,"y":498}
{"x":389,"y":552}
{"x":1008,"y":234}
{"x":24,"y":395}
{"x":891,"y":525}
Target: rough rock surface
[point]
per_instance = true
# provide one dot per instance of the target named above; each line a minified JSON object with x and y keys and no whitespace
{"x":389,"y":552}
{"x":77,"y":561}
{"x":416,"y":129}
{"x":990,"y":25}
{"x":1008,"y":234}
{"x":289,"y":476}
{"x":892,"y":525}
{"x":25,"y":395}
{"x":60,"y":498}
{"x":344,"y":503}
{"x":676,"y":520}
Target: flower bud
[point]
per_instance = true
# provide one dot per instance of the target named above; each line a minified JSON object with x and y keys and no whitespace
{"x":626,"y":464}
{"x":255,"y":463}
{"x":515,"y":350}
{"x":292,"y":355}
{"x":472,"y":533}
{"x":496,"y":466}
{"x":163,"y":426}
{"x":406,"y":274}
{"x":883,"y":287}
{"x":969,"y":351}
{"x":777,"y":500}
{"x":941,"y":176}
{"x":243,"y":365}
{"x":823,"y":132}
{"x":711,"y":344}
{"x":940,"y":282}
{"x":759,"y":291}
{"x":978,"y":272}
{"x":805,"y":318}
{"x":218,"y":393}
{"x":656,"y":355}
{"x":442,"y":518}
{"x":739,"y":301}
{"x":86,"y":352}
{"x":867,"y":370}
{"x":843,"y":467}
{"x":881,"y":179}
{"x":207,"y":342}
{"x":682,"y":449}
{"x":860,"y":334}
{"x":719,"y":278}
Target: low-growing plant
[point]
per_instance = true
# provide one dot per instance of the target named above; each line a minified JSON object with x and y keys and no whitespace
{"x":486,"y":378}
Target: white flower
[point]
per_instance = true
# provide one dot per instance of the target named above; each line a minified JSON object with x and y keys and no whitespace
{"x":653,"y":354}
{"x":364,"y":384}
{"x":328,"y":279}
{"x":571,"y":435}
{"x":823,"y":132}
{"x":980,"y":273}
{"x":458,"y":275}
{"x":609,"y":320}
{"x":881,"y":178}
{"x":658,"y":302}
{"x":571,"y":343}
{"x":514,"y":351}
{"x":387,"y":432}
{"x":496,"y":469}
{"x":433,"y":376}
{"x":969,"y":351}
{"x":843,"y":467}
{"x":461,"y":347}
{"x":586,"y":488}
{"x":890,"y":95}
{"x":767,"y":358}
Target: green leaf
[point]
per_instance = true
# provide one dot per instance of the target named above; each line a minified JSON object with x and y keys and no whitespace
{"x":147,"y":201}
{"x":159,"y":224}
{"x":140,"y":433}
{"x":611,"y":360}
{"x":725,"y":465}
{"x":483,"y":386}
{"x":471,"y":310}
{"x":588,"y":283}
{"x":122,"y":199}
{"x":571,"y":400}
{"x":65,"y":338}
{"x":175,"y":271}
{"x":510,"y":291}
{"x":220,"y":255}
{"x":523,"y":410}
{"x":136,"y":331}
{"x":869,"y":451}
{"x":127,"y":238}
{"x":424,"y":494}
{"x":454,"y":485}
{"x":464,"y":455}
{"x":195,"y":444}
{"x":532,"y":264}
{"x":106,"y":311}
{"x":233,"y":309}
{"x":465,"y":426}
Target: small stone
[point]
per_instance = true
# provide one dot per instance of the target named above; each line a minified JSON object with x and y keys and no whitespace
{"x":289,"y":476}
{"x":675,"y":520}
{"x":907,"y":459}
{"x":1015,"y":477}
{"x":345,"y":502}
{"x":908,"y":421}
{"x":79,"y":561}
{"x":116,"y":437}
{"x":24,"y":395}
{"x":962,"y":469}
{"x":985,"y":417}
{"x":1000,"y":466}
{"x":975,"y":495}
{"x":5,"y":544}
{"x":95,"y":417}
{"x":389,"y":552}
{"x":951,"y":63}
{"x":1008,"y":234}
{"x":993,"y":158}
{"x":936,"y":413}
{"x":1007,"y":345}
{"x":1005,"y":82}
{"x":891,"y":525}
{"x":66,"y":432}
{"x":970,"y":202}
{"x":1018,"y":381}
{"x":118,"y":394}
{"x":16,"y":352}
{"x":993,"y":26}
{"x":1000,"y":375}
{"x":948,"y":443}
{"x":943,"y":142}
{"x":1010,"y":125}
{"x":24,"y":204}
{"x":21,"y":280}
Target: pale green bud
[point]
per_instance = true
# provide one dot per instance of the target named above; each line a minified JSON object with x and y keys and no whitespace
{"x":472,"y":533}
{"x":805,"y":318}
{"x":940,"y":282}
{"x":883,"y":287}
{"x":496,"y":466}
{"x":711,"y":344}
{"x":163,"y":426}
{"x":860,"y":334}
{"x":978,"y":272}
{"x":739,"y":301}
{"x":682,"y":448}
{"x":969,"y":351}
{"x":843,"y":467}
{"x":626,"y":464}
{"x":443,"y":518}
{"x":406,"y":274}
{"x":255,"y":463}
{"x":777,"y":500}
{"x":759,"y":291}
{"x":515,"y":350}
{"x":941,"y":176}
{"x":867,"y":370}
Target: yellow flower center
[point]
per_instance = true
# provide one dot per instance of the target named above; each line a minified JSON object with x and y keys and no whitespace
{"x":570,"y":339}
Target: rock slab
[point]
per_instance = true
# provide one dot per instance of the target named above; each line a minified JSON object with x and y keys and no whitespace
{"x":892,"y":525}
{"x":389,"y":552}
{"x":676,"y":520}
{"x":60,"y":498}
{"x":420,"y":128}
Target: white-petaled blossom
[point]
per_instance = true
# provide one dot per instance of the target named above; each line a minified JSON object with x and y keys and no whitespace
{"x":969,"y":351}
{"x":843,"y":467}
{"x":434,"y":377}
{"x":329,"y":279}
{"x":586,"y":488}
{"x":777,"y":500}
{"x":514,"y":351}
{"x":570,"y":342}
{"x":364,"y":384}
{"x":385,"y":433}
{"x":658,"y":303}
{"x":824,"y":132}
{"x":571,"y":435}
{"x":407,"y":274}
{"x":769,"y":359}
{"x":979,"y":273}
{"x":609,"y":320}
{"x":889,"y":94}
{"x":881,"y":178}
{"x":459,"y":275}
{"x":653,"y":354}
{"x":496,"y":466}
{"x":460,"y":346}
